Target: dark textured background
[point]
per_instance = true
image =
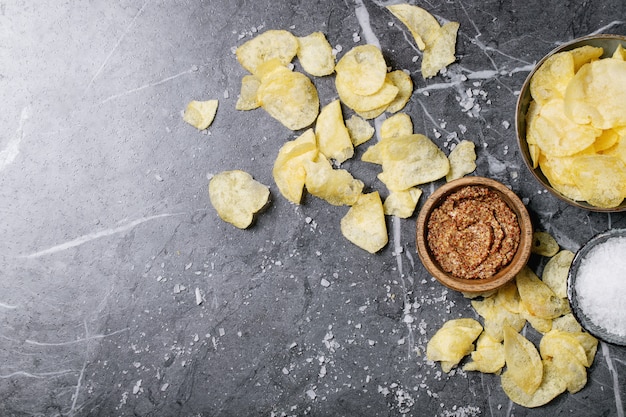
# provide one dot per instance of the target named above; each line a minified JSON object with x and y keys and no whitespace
{"x":107,"y":230}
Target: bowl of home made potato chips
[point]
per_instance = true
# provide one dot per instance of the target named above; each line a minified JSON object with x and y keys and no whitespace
{"x":571,"y":122}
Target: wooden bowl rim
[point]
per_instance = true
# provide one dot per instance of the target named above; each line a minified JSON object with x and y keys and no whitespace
{"x":501,"y":277}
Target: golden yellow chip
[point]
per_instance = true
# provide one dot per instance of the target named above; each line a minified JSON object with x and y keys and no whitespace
{"x":557,"y":171}
{"x":555,"y":272}
{"x":237,"y":197}
{"x":620,"y":53}
{"x":402,"y":203}
{"x":373,"y":154}
{"x":551,"y":386}
{"x":589,"y":343}
{"x":557,"y":135}
{"x":453,"y":341}
{"x":601,"y":179}
{"x":399,"y":124}
{"x":544,"y":244}
{"x":462,"y":160}
{"x":507,"y":296}
{"x":271,"y":44}
{"x":495,"y":316}
{"x":333,"y":138}
{"x":585,"y":54}
{"x":336,"y":186}
{"x":316,"y":55}
{"x":523,"y":363}
{"x":488,"y":356}
{"x":200,"y":114}
{"x":541,"y":324}
{"x":422,"y":25}
{"x":550,"y":80}
{"x":618,"y":149}
{"x":411,"y":160}
{"x":597,"y":94}
{"x":247,"y":99}
{"x":538,"y":298}
{"x":364,"y":224}
{"x":567,"y":323}
{"x":362,"y":69}
{"x":289,"y":171}
{"x":359,"y":129}
{"x":403,"y":81}
{"x":290,"y":97}
{"x":441,"y":53}
{"x":363,"y":104}
{"x":560,"y":343}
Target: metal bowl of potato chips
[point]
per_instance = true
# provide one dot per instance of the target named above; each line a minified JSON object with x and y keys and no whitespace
{"x":571,"y":122}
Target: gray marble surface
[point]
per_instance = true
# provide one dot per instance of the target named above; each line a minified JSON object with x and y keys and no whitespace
{"x":108,"y":235}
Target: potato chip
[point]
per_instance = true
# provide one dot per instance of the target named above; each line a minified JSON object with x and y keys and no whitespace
{"x":585,"y":54}
{"x":550,"y":80}
{"x":488,"y":356}
{"x":200,"y":114}
{"x":619,"y":53}
{"x":265,"y":68}
{"x":567,"y":323}
{"x":411,"y":160}
{"x":589,"y":343}
{"x":601,"y":179}
{"x":507,"y":296}
{"x":402,"y":203}
{"x":541,"y":324}
{"x":538,"y":298}
{"x":363,"y":104}
{"x":557,"y":135}
{"x":247,"y":99}
{"x":557,"y":171}
{"x":359,"y":129}
{"x":364,"y":224}
{"x":270,"y":44}
{"x":336,"y":186}
{"x":569,"y":357}
{"x":237,"y":197}
{"x":290,"y":97}
{"x":441,"y":53}
{"x":333,"y":138}
{"x":453,"y":341}
{"x":462,"y":160}
{"x":544,"y":244}
{"x":289,"y":171}
{"x":597,"y":94}
{"x":496,"y":316}
{"x":399,"y":124}
{"x":403,"y":81}
{"x":618,"y":149}
{"x":362,"y":69}
{"x":316,"y":55}
{"x":523,"y":363}
{"x":551,"y":386}
{"x":422,"y":25}
{"x":555,"y":272}
{"x":373,"y":154}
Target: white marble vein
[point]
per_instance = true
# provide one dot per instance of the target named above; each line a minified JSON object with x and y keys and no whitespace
{"x":81,"y":240}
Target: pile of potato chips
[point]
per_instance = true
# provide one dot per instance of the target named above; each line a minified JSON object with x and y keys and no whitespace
{"x":532,"y":377}
{"x":366,"y":86}
{"x":576,"y":124}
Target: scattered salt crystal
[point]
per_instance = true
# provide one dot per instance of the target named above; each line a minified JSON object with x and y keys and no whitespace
{"x":311,"y":394}
{"x":226,"y":94}
{"x":285,"y":371}
{"x":325,"y":283}
{"x":137,"y":387}
{"x":506,"y":124}
{"x":164,"y":387}
{"x":198,"y":296}
{"x":158,"y":177}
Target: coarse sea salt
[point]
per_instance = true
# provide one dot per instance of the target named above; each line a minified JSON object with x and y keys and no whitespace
{"x":601,"y":285}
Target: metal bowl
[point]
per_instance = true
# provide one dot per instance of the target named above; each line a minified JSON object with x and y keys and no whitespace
{"x":609,"y":43}
{"x":505,"y":274}
{"x":583,"y":318}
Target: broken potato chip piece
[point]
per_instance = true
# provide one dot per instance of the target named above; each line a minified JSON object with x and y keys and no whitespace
{"x":290,"y":97}
{"x":200,"y":114}
{"x":237,"y":197}
{"x":336,"y":186}
{"x":280,"y":44}
{"x":289,"y":167}
{"x":247,"y":99}
{"x":399,"y":124}
{"x":359,"y":129}
{"x":333,"y":138}
{"x":364,"y":224}
{"x":402,"y":203}
{"x":462,"y":160}
{"x":453,"y":341}
{"x":488,"y":357}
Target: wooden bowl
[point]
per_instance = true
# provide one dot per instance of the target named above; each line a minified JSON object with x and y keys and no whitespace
{"x":609,"y":43}
{"x":502,"y":276}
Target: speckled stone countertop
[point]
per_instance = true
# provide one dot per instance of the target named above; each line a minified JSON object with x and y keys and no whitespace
{"x":123,"y":294}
